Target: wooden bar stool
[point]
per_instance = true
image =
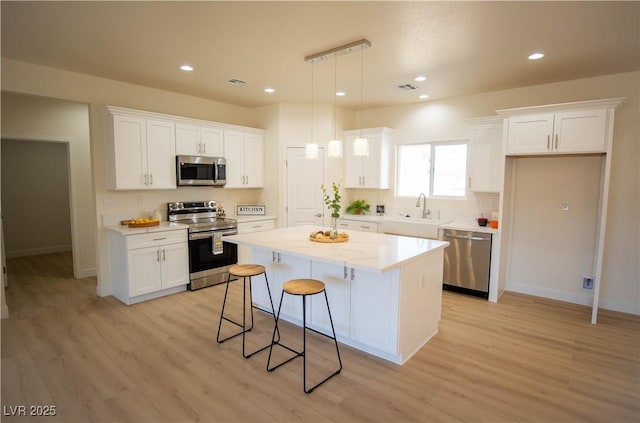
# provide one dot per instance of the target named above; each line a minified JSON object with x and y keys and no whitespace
{"x":304,"y":288}
{"x":245,"y":271}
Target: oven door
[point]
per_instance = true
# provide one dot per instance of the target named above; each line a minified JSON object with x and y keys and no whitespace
{"x":209,"y":263}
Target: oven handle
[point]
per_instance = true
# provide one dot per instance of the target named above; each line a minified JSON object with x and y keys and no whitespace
{"x":209,"y":234}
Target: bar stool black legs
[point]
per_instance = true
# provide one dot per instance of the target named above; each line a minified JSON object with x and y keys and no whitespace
{"x":303,"y":288}
{"x":246,"y":271}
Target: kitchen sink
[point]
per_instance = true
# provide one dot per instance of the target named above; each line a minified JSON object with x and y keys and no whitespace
{"x":412,"y":226}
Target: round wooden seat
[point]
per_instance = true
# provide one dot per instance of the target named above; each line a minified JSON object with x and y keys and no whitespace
{"x":303,"y":287}
{"x":246,"y":270}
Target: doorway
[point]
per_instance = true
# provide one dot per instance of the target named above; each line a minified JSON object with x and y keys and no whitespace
{"x":304,"y":202}
{"x":35,"y":196}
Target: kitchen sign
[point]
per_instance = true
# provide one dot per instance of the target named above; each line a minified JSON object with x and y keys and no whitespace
{"x":259,"y":210}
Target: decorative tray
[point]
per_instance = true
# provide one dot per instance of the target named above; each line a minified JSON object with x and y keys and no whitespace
{"x":134,"y":224}
{"x":322,"y":237}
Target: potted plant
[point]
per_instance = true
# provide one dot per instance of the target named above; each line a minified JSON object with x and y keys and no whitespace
{"x":333,"y":204}
{"x":358,"y":207}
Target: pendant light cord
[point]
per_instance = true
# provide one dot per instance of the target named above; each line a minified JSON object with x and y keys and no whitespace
{"x":335,"y":98}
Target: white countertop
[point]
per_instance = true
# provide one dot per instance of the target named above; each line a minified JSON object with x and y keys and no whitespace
{"x":469,"y":226}
{"x":364,"y":250}
{"x":163,"y":227}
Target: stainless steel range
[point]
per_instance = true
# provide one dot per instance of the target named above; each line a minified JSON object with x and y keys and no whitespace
{"x":209,"y":256}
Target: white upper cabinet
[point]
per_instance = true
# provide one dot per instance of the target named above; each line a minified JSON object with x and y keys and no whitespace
{"x":571,"y":131}
{"x":244,"y":152}
{"x":485,"y":155}
{"x":139,"y":152}
{"x":371,"y":171}
{"x":196,"y":140}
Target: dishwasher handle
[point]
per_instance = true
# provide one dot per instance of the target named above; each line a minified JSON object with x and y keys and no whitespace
{"x":468,"y":237}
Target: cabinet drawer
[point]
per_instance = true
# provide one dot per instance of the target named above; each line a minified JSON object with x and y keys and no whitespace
{"x":155,"y":239}
{"x":358,"y":225}
{"x":263,"y":225}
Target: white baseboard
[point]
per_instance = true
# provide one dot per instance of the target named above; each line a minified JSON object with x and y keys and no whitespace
{"x":86,"y":273}
{"x":575,"y":298}
{"x":38,"y":251}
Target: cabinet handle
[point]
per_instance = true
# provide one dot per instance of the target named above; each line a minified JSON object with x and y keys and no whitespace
{"x":279,"y":257}
{"x":158,"y":256}
{"x":273,"y":256}
{"x":353,"y":273}
{"x":204,"y":147}
{"x":548,"y":142}
{"x":556,"y":142}
{"x":365,"y":227}
{"x":150,"y":179}
{"x":159,"y":239}
{"x":256,"y":226}
{"x":145,"y":178}
{"x":363,"y":181}
{"x":164,"y":255}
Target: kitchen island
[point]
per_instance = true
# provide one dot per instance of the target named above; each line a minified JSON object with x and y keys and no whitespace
{"x":385,"y":291}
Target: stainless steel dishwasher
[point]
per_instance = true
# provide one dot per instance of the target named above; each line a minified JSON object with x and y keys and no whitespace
{"x":467,"y":261}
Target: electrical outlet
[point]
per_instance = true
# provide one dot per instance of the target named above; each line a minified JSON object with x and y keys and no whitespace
{"x":587,"y":282}
{"x":565,"y":205}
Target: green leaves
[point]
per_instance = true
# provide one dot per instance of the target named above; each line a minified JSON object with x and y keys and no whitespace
{"x":332,"y":204}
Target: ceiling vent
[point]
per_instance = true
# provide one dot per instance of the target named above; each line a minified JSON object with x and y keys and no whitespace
{"x":407,"y":87}
{"x":235,"y":81}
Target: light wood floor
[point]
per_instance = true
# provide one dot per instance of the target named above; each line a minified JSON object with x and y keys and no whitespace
{"x":523,"y":360}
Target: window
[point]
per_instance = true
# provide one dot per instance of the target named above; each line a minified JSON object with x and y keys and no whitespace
{"x":437,"y":169}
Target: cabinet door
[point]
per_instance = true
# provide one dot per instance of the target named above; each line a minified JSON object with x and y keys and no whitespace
{"x":129,"y":137}
{"x":144,"y":271}
{"x":292,"y":268}
{"x":233,"y":152}
{"x":485,"y":158}
{"x":161,"y":154}
{"x":188,"y":140}
{"x":212,"y":142}
{"x":375,"y":167}
{"x":175,"y":265}
{"x":374,"y":301}
{"x":352,"y":165}
{"x":580,"y":132}
{"x":338,"y":288}
{"x":253,"y":160}
{"x":530,"y":134}
{"x":258,"y":287}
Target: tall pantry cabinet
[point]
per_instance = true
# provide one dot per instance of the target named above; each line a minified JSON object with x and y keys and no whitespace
{"x":567,"y":139}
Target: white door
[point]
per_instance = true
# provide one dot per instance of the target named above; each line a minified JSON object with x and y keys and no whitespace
{"x":305,"y":205}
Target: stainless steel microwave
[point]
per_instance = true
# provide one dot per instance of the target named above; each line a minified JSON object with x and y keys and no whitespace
{"x":201,"y":171}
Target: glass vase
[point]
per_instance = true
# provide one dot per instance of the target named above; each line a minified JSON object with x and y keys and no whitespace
{"x":334,"y":227}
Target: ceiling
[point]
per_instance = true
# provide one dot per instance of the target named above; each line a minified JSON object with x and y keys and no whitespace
{"x":462,"y":47}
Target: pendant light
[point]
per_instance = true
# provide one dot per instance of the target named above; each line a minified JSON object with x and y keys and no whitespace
{"x":334,"y":147}
{"x":361,"y":144}
{"x":312,"y":149}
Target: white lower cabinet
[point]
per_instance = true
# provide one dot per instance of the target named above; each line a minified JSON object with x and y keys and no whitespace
{"x":374,"y":300}
{"x":337,"y":285}
{"x":245,"y":227}
{"x":148,"y":265}
{"x":280,"y":268}
{"x":358,"y":225}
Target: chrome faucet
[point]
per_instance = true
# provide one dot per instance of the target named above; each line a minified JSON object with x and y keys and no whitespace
{"x":426,"y":213}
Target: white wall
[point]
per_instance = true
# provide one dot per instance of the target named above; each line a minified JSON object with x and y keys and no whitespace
{"x":27,"y":117}
{"x":35,"y":197}
{"x":444,"y":119}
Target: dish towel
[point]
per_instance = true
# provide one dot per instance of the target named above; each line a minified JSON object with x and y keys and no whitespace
{"x":217,"y":243}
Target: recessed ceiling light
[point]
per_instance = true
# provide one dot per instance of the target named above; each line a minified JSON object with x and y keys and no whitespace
{"x":423,"y":96}
{"x":186,"y":68}
{"x":420,"y":78}
{"x":269,"y":90}
{"x":536,"y":56}
{"x":341,"y":93}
